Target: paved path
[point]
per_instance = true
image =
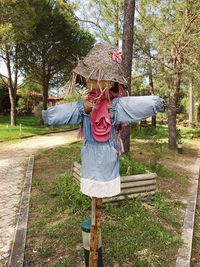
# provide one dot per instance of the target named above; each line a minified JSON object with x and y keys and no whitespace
{"x":13,"y":159}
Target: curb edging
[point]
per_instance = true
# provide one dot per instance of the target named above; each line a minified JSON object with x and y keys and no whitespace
{"x":17,"y":251}
{"x":184,"y":253}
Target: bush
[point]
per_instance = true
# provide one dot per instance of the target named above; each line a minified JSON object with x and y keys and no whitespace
{"x":128,"y":166}
{"x":21,"y":107}
{"x":73,"y":97}
{"x":37,"y":110}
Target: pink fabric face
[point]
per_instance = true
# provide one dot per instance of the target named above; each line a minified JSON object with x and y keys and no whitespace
{"x":100,"y":121}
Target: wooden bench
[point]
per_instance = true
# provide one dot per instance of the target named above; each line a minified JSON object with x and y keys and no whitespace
{"x":143,"y":185}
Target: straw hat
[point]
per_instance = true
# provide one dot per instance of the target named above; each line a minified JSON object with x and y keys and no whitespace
{"x":102,"y":63}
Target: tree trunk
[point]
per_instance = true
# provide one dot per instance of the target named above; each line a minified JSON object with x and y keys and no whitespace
{"x":127,"y":48}
{"x":198,"y":114}
{"x":151,"y":86}
{"x":153,"y":121}
{"x":116,"y":25}
{"x":13,"y":114}
{"x":191,"y":103}
{"x":45,"y":83}
{"x":13,"y":111}
{"x":125,"y":135}
{"x":12,"y":88}
{"x":127,"y":42}
{"x":173,"y":100}
{"x":45,"y":96}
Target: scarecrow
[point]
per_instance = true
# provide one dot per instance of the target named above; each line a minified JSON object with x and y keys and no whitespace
{"x":101,"y":116}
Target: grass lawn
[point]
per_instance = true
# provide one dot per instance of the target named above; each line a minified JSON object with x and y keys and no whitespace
{"x":30,"y":126}
{"x":134,"y":233}
{"x":161,"y":132}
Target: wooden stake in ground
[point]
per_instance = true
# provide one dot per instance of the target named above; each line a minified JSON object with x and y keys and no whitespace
{"x":95,"y":231}
{"x":20,"y":130}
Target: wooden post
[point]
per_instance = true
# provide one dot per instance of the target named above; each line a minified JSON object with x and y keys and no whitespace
{"x":20,"y":129}
{"x":95,"y":231}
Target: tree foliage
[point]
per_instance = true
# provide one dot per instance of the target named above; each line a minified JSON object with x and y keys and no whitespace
{"x":40,"y":40}
{"x":166,"y":49}
{"x":105,"y":18}
{"x":4,"y":98}
{"x":49,"y":49}
{"x":9,"y":52}
{"x":167,"y":35}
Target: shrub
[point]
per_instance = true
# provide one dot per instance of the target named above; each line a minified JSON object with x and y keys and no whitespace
{"x":37,"y":110}
{"x":128,"y":166}
{"x":21,"y":107}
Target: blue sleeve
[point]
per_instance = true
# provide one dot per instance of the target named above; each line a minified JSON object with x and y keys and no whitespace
{"x":136,"y":108}
{"x":68,"y":113}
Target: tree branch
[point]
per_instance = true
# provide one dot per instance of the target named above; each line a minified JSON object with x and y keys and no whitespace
{"x":186,"y":26}
{"x":4,"y":78}
{"x":91,"y":22}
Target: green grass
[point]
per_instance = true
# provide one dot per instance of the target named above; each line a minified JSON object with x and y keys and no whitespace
{"x":130,"y":231}
{"x":187,"y":131}
{"x":30,"y":127}
{"x":133,"y":233}
{"x":161,"y":132}
{"x":163,"y":171}
{"x":129,"y":166}
{"x":136,"y":234}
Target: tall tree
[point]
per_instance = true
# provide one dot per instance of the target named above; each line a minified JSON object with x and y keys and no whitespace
{"x":127,"y":48}
{"x":180,"y":51}
{"x":52,"y":44}
{"x":9,"y":53}
{"x":175,"y":28}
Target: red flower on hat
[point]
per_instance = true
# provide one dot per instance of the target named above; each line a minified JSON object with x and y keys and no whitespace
{"x":117,"y":56}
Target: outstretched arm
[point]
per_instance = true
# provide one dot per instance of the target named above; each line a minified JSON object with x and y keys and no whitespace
{"x":68,"y":113}
{"x":136,"y":108}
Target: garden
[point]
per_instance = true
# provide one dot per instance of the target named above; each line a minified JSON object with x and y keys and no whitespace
{"x":134,"y":232}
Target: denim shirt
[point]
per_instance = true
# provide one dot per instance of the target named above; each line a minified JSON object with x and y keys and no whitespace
{"x":100,"y":161}
{"x":127,"y":110}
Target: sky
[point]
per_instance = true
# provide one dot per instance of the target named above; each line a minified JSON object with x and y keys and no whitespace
{"x":3,"y":68}
{"x":4,"y":71}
